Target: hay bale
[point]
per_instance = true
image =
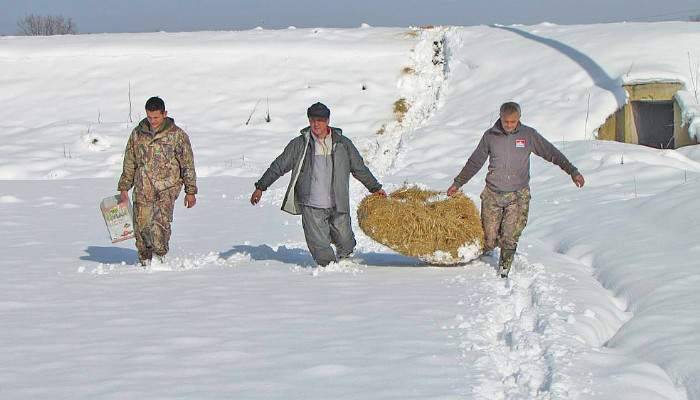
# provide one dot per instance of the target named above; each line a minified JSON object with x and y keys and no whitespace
{"x":424,"y":224}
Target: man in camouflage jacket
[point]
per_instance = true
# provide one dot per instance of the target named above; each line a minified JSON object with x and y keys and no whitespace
{"x":158,"y":160}
{"x":505,"y":201}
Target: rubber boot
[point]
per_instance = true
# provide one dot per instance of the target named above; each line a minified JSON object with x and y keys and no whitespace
{"x":146,"y":255}
{"x":505,"y":262}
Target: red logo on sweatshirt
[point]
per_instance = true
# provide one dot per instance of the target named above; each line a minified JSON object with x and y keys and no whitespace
{"x":520,"y":143}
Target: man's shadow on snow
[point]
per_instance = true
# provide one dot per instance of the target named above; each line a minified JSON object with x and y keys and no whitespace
{"x":303,"y":258}
{"x":264,"y":252}
{"x":388,"y":260}
{"x":109,"y":255}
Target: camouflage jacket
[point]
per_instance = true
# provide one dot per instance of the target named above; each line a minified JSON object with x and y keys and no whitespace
{"x":158,"y":161}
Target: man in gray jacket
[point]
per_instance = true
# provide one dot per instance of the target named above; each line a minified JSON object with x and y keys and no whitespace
{"x":321,"y":160}
{"x":505,"y":201}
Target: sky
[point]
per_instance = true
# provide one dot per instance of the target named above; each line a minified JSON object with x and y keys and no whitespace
{"x":190,"y":15}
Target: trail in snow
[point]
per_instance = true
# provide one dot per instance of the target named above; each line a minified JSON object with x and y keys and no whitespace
{"x":506,"y":335}
{"x":522,"y":338}
{"x":421,"y":87}
{"x":507,"y":340}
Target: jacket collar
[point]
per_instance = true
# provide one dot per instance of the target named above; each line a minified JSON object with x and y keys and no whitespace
{"x":145,"y":127}
{"x":498,"y":128}
{"x":336,"y":133}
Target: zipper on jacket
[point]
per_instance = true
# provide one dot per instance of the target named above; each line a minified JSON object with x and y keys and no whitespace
{"x":333,"y":144}
{"x":509,"y":144}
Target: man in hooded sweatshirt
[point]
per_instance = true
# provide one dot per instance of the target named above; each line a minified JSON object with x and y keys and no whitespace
{"x":505,"y":201}
{"x":321,"y":160}
{"x":158,"y":160}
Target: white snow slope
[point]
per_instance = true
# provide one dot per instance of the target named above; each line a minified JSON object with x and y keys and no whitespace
{"x":601,"y":303}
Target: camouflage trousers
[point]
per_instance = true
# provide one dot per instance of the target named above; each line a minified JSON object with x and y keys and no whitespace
{"x":503,"y":217}
{"x":152,"y":220}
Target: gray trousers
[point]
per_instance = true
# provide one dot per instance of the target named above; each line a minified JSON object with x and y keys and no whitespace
{"x":323,"y":226}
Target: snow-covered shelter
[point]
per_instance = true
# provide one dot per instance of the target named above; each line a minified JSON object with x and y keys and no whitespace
{"x":652,"y":116}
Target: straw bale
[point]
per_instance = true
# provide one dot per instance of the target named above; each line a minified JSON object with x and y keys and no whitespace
{"x":424,"y":224}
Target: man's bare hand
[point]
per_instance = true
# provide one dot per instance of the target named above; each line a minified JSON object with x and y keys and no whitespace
{"x":380,"y":192}
{"x":190,"y":200}
{"x":452,"y":190}
{"x":578,"y":180}
{"x":124,"y":198}
{"x":255,"y":197}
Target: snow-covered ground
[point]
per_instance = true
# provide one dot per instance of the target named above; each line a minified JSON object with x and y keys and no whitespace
{"x":601,"y":303}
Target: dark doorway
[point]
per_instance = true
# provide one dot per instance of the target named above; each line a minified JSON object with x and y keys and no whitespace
{"x":654,"y":121}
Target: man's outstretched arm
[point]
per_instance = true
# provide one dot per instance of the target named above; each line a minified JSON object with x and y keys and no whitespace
{"x":280,"y":166}
{"x":361,"y":172}
{"x":473,"y":165}
{"x":545,"y":149}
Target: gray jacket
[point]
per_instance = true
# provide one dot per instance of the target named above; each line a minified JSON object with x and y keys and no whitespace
{"x":509,"y":158}
{"x":298,"y":156}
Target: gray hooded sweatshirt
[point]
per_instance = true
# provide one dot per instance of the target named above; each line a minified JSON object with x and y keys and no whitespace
{"x":298,"y":157}
{"x":509,"y":158}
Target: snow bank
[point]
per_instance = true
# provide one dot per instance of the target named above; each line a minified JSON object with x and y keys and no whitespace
{"x":690,"y":107}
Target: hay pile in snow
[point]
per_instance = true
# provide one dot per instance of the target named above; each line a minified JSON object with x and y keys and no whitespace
{"x":425,"y":224}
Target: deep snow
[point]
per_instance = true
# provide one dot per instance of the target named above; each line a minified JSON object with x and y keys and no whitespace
{"x":601,"y":303}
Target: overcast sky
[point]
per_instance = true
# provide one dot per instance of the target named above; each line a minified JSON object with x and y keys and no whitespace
{"x":188,"y":15}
